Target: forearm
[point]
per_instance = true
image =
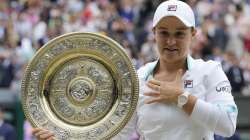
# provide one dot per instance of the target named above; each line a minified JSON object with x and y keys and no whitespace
{"x":214,"y":117}
{"x":219,"y":118}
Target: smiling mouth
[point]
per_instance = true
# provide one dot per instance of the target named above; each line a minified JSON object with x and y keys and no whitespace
{"x":170,"y":49}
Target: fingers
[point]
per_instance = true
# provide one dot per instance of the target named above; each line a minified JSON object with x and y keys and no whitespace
{"x":155,"y":82}
{"x":35,"y":130}
{"x":40,"y":133}
{"x":43,"y":134}
{"x":153,"y":100}
{"x":47,"y":135}
{"x":51,"y":138}
{"x":153,"y":86}
{"x":152,"y":94}
{"x":179,"y":74}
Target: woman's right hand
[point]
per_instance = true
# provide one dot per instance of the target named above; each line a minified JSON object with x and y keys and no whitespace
{"x":43,"y":134}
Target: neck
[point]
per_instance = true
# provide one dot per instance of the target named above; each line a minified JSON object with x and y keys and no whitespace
{"x":172,"y":66}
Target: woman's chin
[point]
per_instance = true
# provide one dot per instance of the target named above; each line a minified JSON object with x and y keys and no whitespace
{"x":171,"y":59}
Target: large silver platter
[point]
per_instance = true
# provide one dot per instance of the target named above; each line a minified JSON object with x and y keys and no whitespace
{"x":80,"y":86}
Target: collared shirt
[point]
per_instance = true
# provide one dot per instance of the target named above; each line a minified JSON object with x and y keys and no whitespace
{"x":214,"y":112}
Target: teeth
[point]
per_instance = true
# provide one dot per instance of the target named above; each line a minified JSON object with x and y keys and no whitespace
{"x":171,"y":49}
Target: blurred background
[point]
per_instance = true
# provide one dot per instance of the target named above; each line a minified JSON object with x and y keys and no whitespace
{"x":26,"y":25}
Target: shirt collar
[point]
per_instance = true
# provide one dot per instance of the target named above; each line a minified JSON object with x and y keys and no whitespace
{"x":152,"y":66}
{"x":190,"y":62}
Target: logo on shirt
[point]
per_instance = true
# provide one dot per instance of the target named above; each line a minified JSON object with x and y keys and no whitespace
{"x":188,"y":84}
{"x":172,"y":7}
{"x":223,"y":87}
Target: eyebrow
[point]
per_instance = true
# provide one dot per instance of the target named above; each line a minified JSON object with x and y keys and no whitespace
{"x":179,"y":28}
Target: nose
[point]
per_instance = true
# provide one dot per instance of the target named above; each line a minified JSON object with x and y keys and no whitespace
{"x":171,"y":41}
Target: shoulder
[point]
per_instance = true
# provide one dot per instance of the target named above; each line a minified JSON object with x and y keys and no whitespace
{"x":211,"y":72}
{"x":145,"y":70}
{"x":207,"y":67}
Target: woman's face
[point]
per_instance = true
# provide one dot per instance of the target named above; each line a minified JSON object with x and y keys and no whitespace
{"x":173,"y":39}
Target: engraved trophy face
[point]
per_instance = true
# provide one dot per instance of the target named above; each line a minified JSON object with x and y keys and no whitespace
{"x":80,"y":86}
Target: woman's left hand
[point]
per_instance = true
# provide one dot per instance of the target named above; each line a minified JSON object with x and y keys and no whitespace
{"x":164,"y":91}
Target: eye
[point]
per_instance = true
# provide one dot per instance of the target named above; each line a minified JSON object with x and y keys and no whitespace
{"x":163,"y":33}
{"x":180,"y":34}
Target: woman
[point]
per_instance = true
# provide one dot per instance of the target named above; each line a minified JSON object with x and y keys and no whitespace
{"x":180,"y":98}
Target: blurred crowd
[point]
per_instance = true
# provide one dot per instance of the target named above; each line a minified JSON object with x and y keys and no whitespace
{"x":26,"y":25}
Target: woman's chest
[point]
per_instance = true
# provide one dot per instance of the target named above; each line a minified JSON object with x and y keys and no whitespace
{"x":160,"y":115}
{"x":195,"y":85}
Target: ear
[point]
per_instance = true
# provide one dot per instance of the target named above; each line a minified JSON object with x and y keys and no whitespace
{"x":153,"y":30}
{"x":194,"y":31}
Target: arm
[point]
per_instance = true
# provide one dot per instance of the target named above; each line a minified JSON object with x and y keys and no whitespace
{"x":218,"y":112}
{"x":43,"y":134}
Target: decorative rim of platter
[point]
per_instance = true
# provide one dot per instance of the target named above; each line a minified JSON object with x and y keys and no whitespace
{"x":80,"y":86}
